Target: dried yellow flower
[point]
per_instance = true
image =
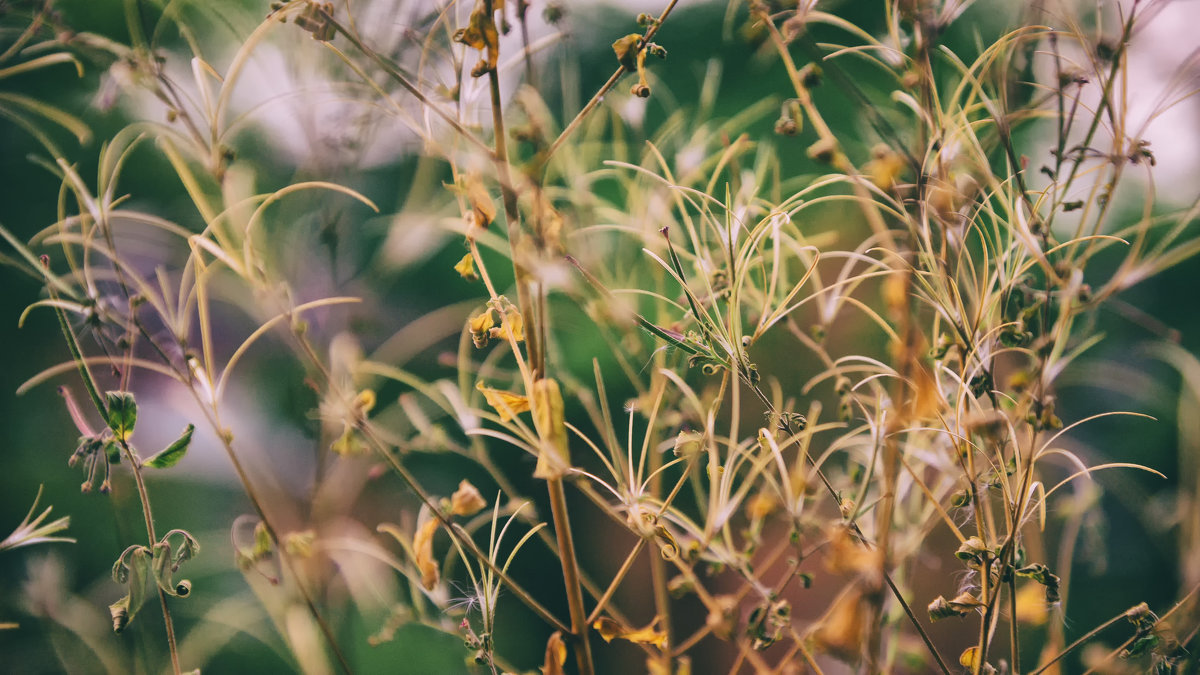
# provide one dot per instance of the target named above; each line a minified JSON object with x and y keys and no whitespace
{"x":481,"y":34}
{"x":515,"y":323}
{"x":466,"y":268}
{"x":481,"y":327}
{"x":466,"y":500}
{"x":364,"y":402}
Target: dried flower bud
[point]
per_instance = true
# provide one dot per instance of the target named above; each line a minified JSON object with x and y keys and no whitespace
{"x":480,"y":327}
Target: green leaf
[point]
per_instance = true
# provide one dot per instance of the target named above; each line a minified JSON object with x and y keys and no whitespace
{"x":187,"y":549}
{"x":133,"y":567}
{"x":119,"y":611}
{"x":160,"y":565}
{"x":122,"y":413}
{"x":174,"y":452}
{"x":113,"y":452}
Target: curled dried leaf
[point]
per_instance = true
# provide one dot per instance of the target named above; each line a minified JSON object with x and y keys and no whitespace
{"x":506,"y":403}
{"x":423,"y":550}
{"x":556,"y":655}
{"x":649,"y":635}
{"x":549,"y":416}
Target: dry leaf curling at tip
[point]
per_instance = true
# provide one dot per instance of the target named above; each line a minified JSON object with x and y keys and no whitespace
{"x":423,"y":550}
{"x":556,"y":655}
{"x":506,"y":403}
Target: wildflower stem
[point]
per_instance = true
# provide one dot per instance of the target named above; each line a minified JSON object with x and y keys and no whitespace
{"x":618,"y":577}
{"x":526,"y":287}
{"x":570,"y":567}
{"x":148,"y":515}
{"x":135,"y":465}
{"x":853,"y":524}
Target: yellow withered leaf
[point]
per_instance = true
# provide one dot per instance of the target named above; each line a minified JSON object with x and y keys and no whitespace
{"x":506,"y":403}
{"x":549,"y":418}
{"x":649,"y":635}
{"x":969,"y":658}
{"x":423,"y":550}
{"x":556,"y":655}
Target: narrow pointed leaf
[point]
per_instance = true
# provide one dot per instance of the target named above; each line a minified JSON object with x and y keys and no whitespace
{"x":174,"y":452}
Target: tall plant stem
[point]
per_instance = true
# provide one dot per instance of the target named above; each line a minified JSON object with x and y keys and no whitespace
{"x":524,"y":282}
{"x":570,"y":567}
{"x":143,"y":496}
{"x":148,"y":515}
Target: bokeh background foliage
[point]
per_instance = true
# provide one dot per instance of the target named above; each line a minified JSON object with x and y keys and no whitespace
{"x":1131,"y":546}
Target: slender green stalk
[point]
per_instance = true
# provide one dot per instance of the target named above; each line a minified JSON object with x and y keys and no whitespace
{"x":134,"y":463}
{"x":570,"y":567}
